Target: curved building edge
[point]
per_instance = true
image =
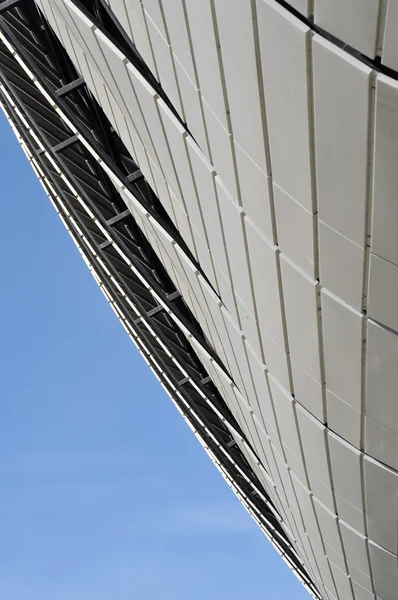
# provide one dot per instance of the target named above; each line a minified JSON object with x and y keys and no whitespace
{"x":206,"y":418}
{"x":330,"y":272}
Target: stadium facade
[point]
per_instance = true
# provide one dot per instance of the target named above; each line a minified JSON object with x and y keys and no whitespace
{"x":228,"y":170}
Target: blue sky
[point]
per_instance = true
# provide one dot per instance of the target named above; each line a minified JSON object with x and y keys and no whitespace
{"x":105,"y":493}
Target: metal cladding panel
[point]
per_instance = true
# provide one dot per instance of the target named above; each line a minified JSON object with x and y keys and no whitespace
{"x":390,"y":50}
{"x":385,"y":211}
{"x":284,"y":54}
{"x":354,"y":21}
{"x":342,"y":88}
{"x":268,"y":133}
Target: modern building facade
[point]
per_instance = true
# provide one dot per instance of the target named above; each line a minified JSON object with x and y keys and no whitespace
{"x":228,"y":170}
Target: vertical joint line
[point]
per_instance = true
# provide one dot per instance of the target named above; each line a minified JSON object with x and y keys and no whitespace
{"x":365,"y":283}
{"x":264,"y":118}
{"x":197,"y":82}
{"x":381,"y":26}
{"x":270,"y":187}
{"x":369,"y":194}
{"x":367,"y":242}
{"x":156,"y":74}
{"x":225,"y":94}
{"x":311,"y":121}
{"x":183,"y":115}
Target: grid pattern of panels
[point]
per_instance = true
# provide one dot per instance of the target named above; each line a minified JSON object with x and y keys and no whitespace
{"x":286,"y":195}
{"x":47,"y":140}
